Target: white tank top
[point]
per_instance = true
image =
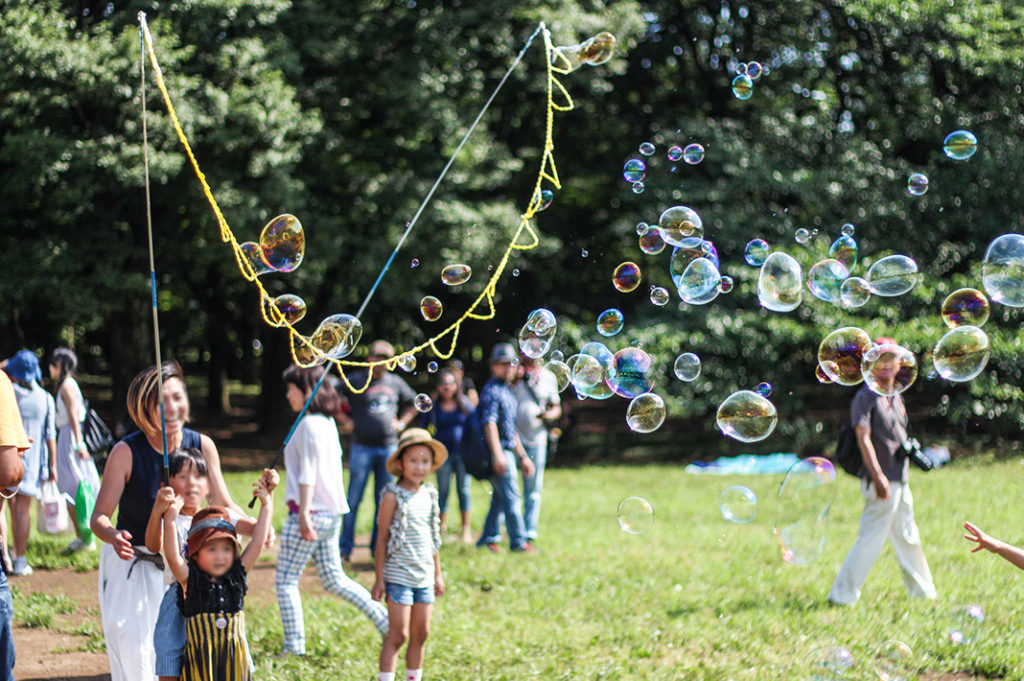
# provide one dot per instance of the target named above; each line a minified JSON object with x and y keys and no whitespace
{"x":62,"y":408}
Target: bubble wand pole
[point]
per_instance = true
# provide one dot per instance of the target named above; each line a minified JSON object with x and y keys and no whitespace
{"x":165,"y":474}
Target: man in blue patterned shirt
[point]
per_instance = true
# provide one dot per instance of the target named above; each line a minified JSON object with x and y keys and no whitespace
{"x":498,"y":407}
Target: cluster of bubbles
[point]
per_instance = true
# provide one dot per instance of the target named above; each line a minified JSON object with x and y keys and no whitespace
{"x":802,"y":507}
{"x":892,"y":661}
{"x":966,"y":626}
{"x":743,"y":83}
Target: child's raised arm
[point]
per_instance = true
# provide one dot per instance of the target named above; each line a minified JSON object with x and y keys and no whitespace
{"x":264,"y":491}
{"x":154,"y":532}
{"x":388,"y":503}
{"x":1008,"y":552}
{"x":172,"y":551}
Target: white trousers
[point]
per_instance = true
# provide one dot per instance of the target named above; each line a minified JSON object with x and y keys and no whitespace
{"x":128,"y":609}
{"x":893,"y":519}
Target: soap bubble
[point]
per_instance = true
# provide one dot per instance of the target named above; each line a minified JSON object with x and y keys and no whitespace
{"x":763,"y":389}
{"x":414,"y":263}
{"x":407,"y":363}
{"x":635,"y":515}
{"x":651,"y":242}
{"x":746,"y":416}
{"x":634,"y":170}
{"x":847,"y":229}
{"x":683,"y":256}
{"x":584,"y":253}
{"x":960,"y":145}
{"x":888,"y":369}
{"x":841,"y":354}
{"x":825,"y":280}
{"x":563,"y":377}
{"x":638,"y":187}
{"x":801,"y":510}
{"x":431,"y":308}
{"x":698,"y":284}
{"x":593,"y":52}
{"x":741,"y":68}
{"x":892,"y":661}
{"x":844,"y":249}
{"x":626,"y":277}
{"x":609,"y":322}
{"x":687,"y":367}
{"x":598,"y":389}
{"x":286,"y":309}
{"x":642,"y":228}
{"x":742,"y":86}
{"x":645,"y":413}
{"x":306,"y":354}
{"x":283,"y":243}
{"x":693,"y":154}
{"x":917,"y":184}
{"x":779,"y":284}
{"x":647,"y":149}
{"x":855,"y":292}
{"x":754,"y":69}
{"x":587,"y":372}
{"x":1002,"y":270}
{"x":675,"y":153}
{"x":756,"y":252}
{"x":820,"y":374}
{"x":679,"y":224}
{"x":253,"y":255}
{"x":967,"y":623}
{"x":557,"y":356}
{"x":337,"y":335}
{"x":965,"y":306}
{"x":738,"y":504}
{"x":432,"y":367}
{"x":453,"y":275}
{"x":423,"y":403}
{"x":659,"y":296}
{"x":543,"y":199}
{"x":829,"y":663}
{"x":893,"y":275}
{"x":631,"y":373}
{"x":961,"y":354}
{"x":802,"y":236}
{"x":726,"y":284}
{"x":538,"y":333}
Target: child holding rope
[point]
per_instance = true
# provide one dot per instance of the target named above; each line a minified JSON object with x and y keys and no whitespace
{"x":408,"y":559}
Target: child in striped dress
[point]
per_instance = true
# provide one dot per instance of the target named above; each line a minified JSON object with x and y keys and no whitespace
{"x":408,"y":559}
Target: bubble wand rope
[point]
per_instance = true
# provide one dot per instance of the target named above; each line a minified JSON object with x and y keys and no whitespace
{"x":408,"y":229}
{"x":165,"y":474}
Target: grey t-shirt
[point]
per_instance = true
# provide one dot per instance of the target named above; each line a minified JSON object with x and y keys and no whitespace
{"x":887,"y":419}
{"x":375,"y":410}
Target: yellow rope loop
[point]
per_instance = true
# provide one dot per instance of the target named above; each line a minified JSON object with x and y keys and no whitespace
{"x":482,"y":308}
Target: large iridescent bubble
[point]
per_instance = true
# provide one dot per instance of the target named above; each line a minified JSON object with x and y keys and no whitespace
{"x":961,"y":354}
{"x":1002,"y":270}
{"x":960,"y":145}
{"x":631,"y":373}
{"x":841,"y":354}
{"x":282,"y":243}
{"x":844,"y":249}
{"x":285,"y":309}
{"x":965,"y":306}
{"x":699,"y":283}
{"x":337,"y":335}
{"x":854,"y":292}
{"x":825,"y":280}
{"x":560,"y":370}
{"x":888,"y":369}
{"x":538,"y":333}
{"x":780,"y":283}
{"x":599,"y":390}
{"x":746,"y":416}
{"x":687,"y":367}
{"x":645,"y":413}
{"x":610,"y":322}
{"x":756,"y":252}
{"x":802,"y":507}
{"x":893,"y":275}
{"x":680,"y":223}
{"x":453,"y":275}
{"x":253,"y":255}
{"x":627,"y":277}
{"x":683,"y":255}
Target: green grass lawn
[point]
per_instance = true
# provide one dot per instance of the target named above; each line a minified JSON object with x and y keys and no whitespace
{"x":694,"y":597}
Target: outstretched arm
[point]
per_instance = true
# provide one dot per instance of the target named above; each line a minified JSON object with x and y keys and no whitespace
{"x":264,"y":491}
{"x":154,"y":532}
{"x":1008,"y":552}
{"x":172,"y":550}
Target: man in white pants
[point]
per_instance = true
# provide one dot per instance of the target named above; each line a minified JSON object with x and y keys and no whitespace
{"x":880,"y":424}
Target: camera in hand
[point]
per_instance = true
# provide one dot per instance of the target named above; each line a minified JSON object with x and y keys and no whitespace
{"x":912,"y":450}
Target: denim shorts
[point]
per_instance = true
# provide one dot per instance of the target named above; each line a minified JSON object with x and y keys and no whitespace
{"x":169,"y":635}
{"x":407,"y":595}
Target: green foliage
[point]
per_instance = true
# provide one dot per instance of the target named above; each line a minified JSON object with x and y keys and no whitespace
{"x":37,"y":610}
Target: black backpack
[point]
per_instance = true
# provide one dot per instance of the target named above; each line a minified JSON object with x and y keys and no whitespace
{"x":476,"y":454}
{"x":847,"y":453}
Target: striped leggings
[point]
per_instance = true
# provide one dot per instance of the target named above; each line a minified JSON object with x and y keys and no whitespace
{"x":295,"y":553}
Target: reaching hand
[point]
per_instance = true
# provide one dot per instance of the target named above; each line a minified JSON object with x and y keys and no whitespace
{"x":261,"y":491}
{"x":982,"y":540}
{"x":164,"y":499}
{"x":271,"y":479}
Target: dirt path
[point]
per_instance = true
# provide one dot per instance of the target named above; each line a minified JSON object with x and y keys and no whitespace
{"x":56,"y":653}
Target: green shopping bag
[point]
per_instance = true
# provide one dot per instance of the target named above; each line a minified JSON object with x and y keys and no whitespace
{"x":85,"y":500}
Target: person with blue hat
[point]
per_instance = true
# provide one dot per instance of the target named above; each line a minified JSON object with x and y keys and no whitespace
{"x":38,"y":412}
{"x":498,"y":407}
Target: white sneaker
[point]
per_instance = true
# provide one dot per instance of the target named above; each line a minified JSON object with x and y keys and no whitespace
{"x":79,"y":545}
{"x":21,"y":568}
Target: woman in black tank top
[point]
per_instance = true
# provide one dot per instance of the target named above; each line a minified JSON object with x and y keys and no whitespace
{"x":131,"y":579}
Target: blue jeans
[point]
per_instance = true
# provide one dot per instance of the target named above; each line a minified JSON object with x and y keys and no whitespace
{"x":532,"y":487}
{"x":362,"y":461}
{"x":453,"y":464}
{"x":505,"y":503}
{"x":6,"y":640}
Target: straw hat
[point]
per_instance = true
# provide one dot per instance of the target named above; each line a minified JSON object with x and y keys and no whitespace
{"x":416,"y":436}
{"x":208,"y":524}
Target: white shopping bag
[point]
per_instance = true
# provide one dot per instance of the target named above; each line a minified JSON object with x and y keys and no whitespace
{"x":53,"y":511}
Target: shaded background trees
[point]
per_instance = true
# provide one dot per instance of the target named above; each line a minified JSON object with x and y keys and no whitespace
{"x":344,"y":113}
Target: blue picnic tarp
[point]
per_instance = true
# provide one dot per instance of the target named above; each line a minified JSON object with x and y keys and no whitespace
{"x":745,"y":464}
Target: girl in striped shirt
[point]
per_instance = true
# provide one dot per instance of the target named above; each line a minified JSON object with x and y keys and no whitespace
{"x":408,"y":561}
